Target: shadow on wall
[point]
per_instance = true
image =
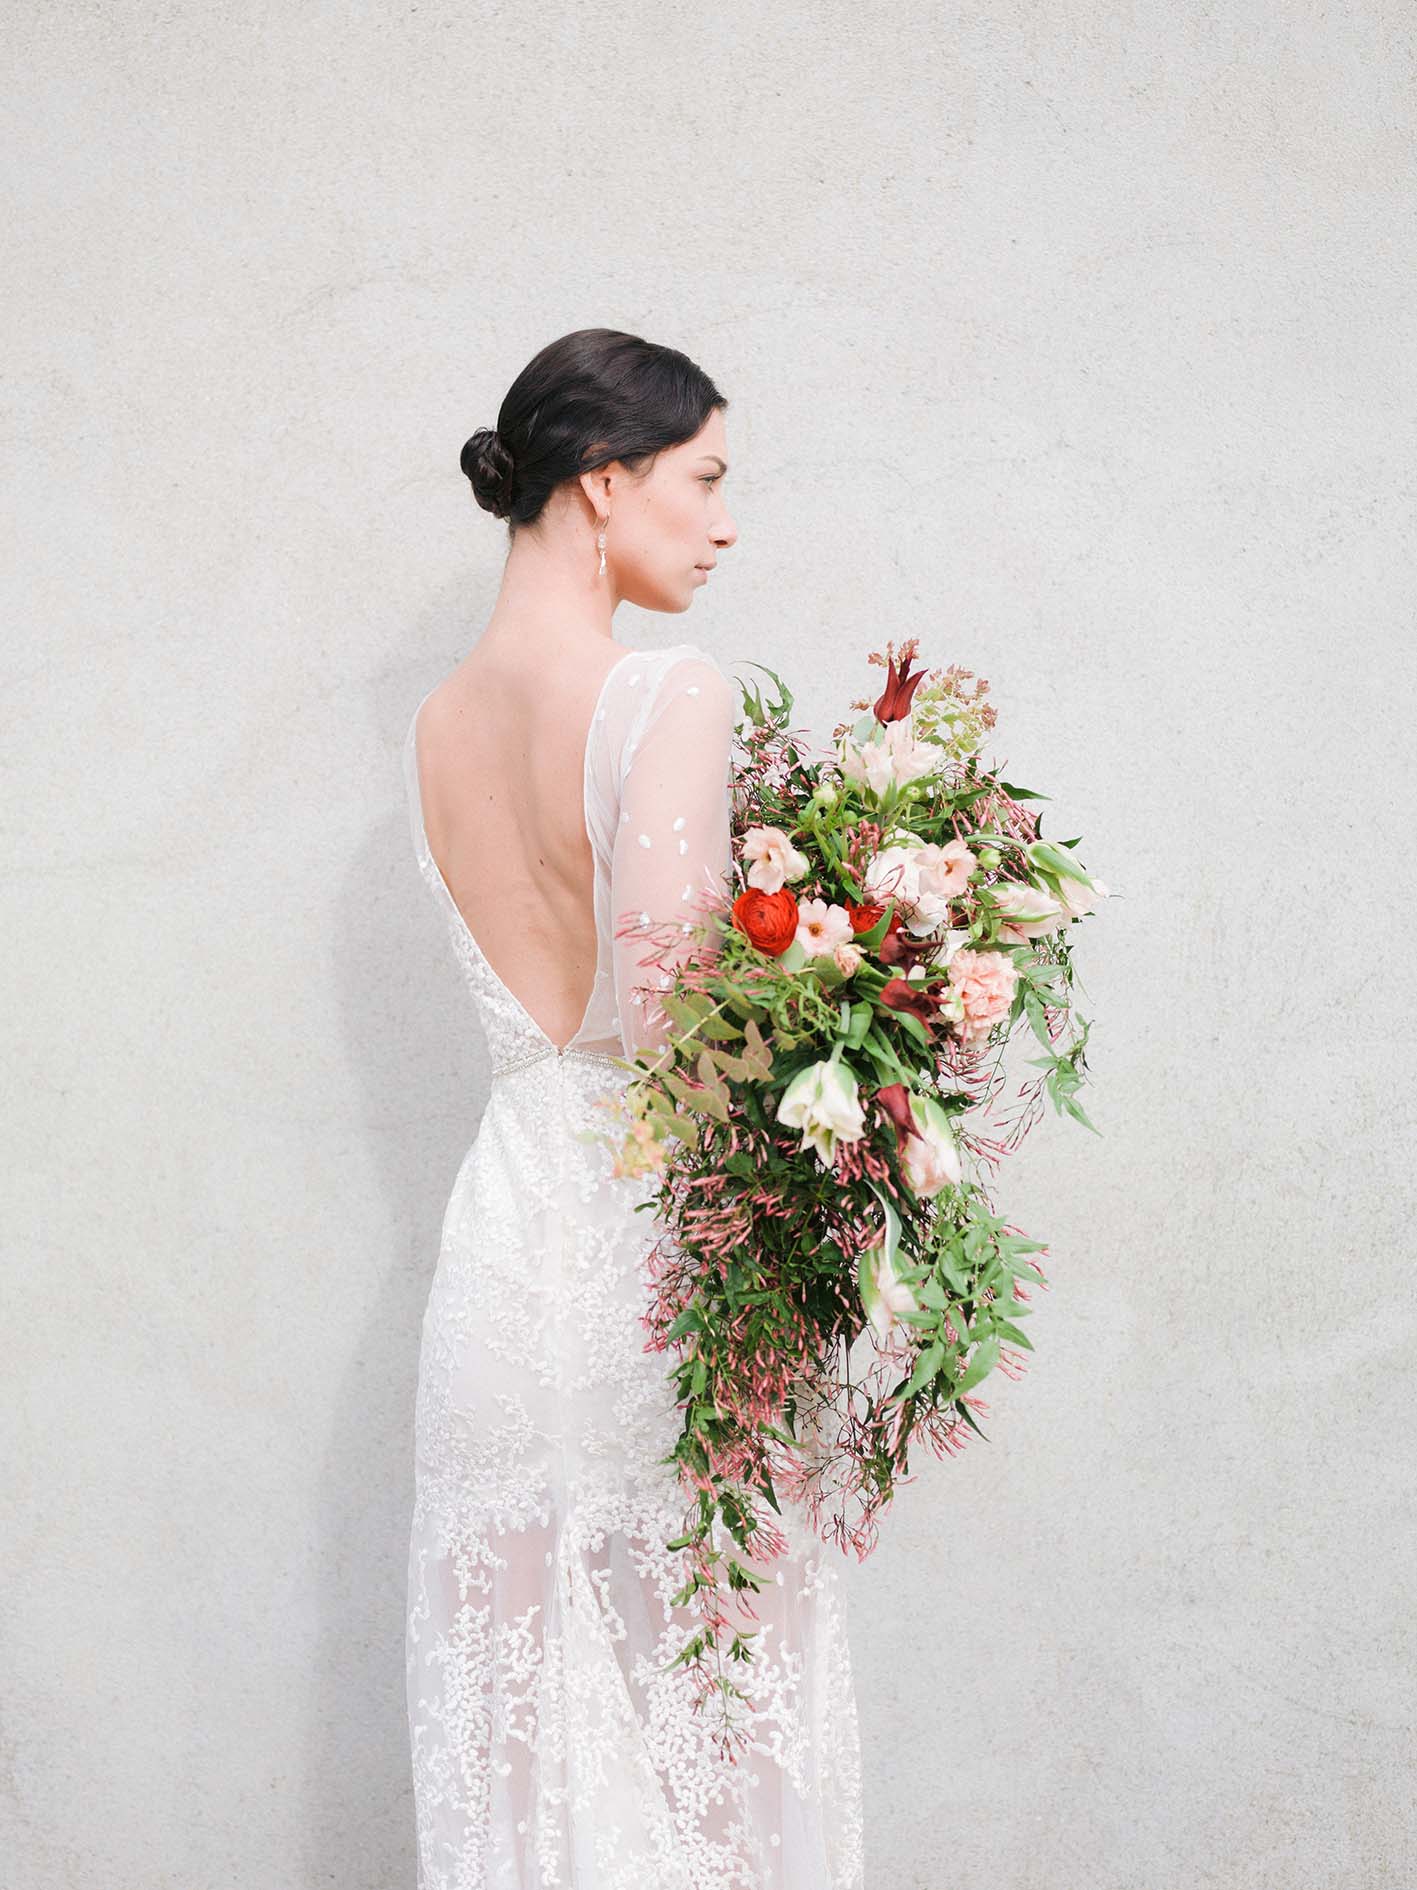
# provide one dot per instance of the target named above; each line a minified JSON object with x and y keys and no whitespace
{"x":418,"y":1060}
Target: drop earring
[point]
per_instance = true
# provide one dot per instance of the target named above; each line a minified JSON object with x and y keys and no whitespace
{"x":600,"y":542}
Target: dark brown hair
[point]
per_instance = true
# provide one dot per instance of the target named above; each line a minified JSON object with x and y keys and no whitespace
{"x":594,"y":396}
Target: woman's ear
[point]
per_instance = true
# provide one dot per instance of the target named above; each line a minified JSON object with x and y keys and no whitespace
{"x":599,"y":485}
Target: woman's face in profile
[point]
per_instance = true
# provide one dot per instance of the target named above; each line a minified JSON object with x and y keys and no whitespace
{"x":669,"y":525}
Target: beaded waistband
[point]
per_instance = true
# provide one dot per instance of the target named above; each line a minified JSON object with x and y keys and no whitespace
{"x":549,"y":1052}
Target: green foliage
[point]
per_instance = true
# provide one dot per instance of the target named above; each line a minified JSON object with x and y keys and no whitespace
{"x":741,"y":1029}
{"x":775,"y":715}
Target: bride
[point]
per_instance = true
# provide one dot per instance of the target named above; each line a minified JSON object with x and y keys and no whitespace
{"x":557,"y":781}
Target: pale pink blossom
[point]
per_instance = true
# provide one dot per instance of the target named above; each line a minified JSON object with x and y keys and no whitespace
{"x":821,"y":928}
{"x":891,"y":757}
{"x":772,"y":859}
{"x":930,"y":1160}
{"x":985,"y":984}
{"x":922,"y":878}
{"x":1032,"y":912}
{"x":949,"y":943}
{"x":946,"y":869}
{"x":1078,"y":899}
{"x":884,"y":1295}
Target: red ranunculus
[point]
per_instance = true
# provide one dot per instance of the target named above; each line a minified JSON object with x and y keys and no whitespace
{"x":769,"y":920}
{"x":864,"y":917}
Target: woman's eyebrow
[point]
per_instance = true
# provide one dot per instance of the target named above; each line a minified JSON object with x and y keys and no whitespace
{"x":722,"y":464}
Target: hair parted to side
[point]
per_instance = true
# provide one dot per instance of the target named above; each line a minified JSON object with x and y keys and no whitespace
{"x":594,"y":396}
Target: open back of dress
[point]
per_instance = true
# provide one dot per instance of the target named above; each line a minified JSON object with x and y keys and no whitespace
{"x":550,"y":1748}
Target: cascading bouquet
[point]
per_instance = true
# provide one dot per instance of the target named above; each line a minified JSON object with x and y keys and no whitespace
{"x":830,"y":1279}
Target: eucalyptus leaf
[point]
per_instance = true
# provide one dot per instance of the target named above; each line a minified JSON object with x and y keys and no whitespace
{"x":720,"y":1029}
{"x":678,"y":1010}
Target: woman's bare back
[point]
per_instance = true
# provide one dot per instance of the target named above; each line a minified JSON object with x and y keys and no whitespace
{"x":500,"y":752}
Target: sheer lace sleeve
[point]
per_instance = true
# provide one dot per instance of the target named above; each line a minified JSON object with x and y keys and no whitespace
{"x":673,"y":841}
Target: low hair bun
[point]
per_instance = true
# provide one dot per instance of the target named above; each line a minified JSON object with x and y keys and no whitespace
{"x":491,"y":471}
{"x":595,"y":397}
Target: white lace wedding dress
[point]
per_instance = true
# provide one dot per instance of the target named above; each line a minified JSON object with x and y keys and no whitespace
{"x":550,"y":1751}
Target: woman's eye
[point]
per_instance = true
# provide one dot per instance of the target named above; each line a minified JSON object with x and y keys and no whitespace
{"x":712,"y":479}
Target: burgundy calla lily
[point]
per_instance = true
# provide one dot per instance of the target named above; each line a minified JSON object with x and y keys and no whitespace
{"x":907,"y":994}
{"x":903,"y":949}
{"x":895,"y":1101}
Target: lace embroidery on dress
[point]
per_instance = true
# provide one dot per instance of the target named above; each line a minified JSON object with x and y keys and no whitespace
{"x":550,"y":1750}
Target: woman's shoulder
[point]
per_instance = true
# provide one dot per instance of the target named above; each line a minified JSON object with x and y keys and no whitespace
{"x":687,"y":663}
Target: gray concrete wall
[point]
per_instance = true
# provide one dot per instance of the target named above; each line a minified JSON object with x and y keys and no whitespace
{"x":1078,"y":340}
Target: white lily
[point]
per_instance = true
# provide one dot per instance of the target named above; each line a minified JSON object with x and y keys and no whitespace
{"x":823,"y":1102}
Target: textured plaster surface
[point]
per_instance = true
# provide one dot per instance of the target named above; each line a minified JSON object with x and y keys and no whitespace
{"x":1077,"y":340}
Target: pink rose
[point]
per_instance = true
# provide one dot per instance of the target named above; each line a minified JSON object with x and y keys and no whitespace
{"x":984,"y":984}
